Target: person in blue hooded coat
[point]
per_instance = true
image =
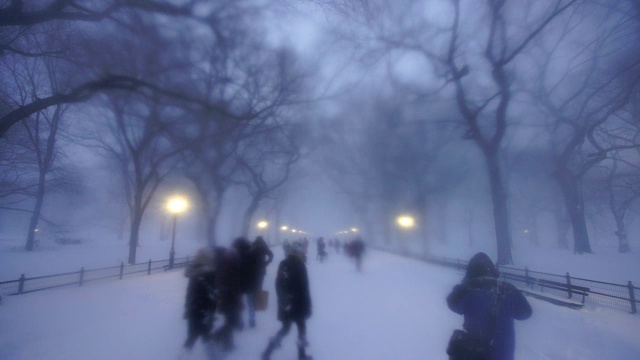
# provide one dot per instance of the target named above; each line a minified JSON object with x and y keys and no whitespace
{"x":489,"y":307}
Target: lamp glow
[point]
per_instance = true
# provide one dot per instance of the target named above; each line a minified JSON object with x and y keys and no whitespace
{"x":406,"y":221}
{"x":177,"y":205}
{"x":262,"y":224}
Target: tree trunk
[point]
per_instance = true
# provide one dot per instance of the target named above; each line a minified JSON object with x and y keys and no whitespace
{"x":248,"y":215}
{"x":212,"y":213}
{"x":500,"y":207}
{"x":35,"y":216}
{"x":572,"y":191}
{"x":562,"y":227}
{"x":134,"y":234}
{"x":621,"y":233}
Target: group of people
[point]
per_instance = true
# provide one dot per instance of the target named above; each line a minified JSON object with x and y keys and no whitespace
{"x":219,"y":279}
{"x":353,"y":249}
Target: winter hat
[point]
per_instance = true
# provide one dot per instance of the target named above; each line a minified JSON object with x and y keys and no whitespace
{"x":204,"y":261}
{"x":297,"y":248}
{"x":481,"y":265}
{"x":241,"y":245}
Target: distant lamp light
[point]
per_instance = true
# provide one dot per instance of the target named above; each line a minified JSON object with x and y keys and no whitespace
{"x":294,"y":230}
{"x":36,"y":230}
{"x":177,"y":205}
{"x":406,"y":221}
{"x":526,"y":231}
{"x":284,"y":228}
{"x":262,"y":224}
{"x":354,"y":229}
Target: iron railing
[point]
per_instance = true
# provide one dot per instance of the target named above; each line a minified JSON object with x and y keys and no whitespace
{"x":619,"y":296}
{"x":25,"y":285}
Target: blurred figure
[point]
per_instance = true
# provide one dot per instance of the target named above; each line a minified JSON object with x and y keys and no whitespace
{"x":260,"y":257}
{"x":229,"y":285}
{"x":322,"y":252}
{"x":247,"y":273}
{"x":294,"y":300}
{"x":200,"y":304}
{"x":356,"y":250}
{"x":286,"y":246}
{"x":489,"y":307}
{"x":336,"y":242}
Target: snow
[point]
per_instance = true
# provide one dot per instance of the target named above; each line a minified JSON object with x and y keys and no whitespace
{"x":394,"y":309}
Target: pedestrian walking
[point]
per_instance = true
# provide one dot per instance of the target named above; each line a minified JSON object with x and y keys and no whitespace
{"x":489,"y":307}
{"x":229,"y":287}
{"x":294,"y":301}
{"x":200,"y":303}
{"x":356,"y":250}
{"x":260,"y":257}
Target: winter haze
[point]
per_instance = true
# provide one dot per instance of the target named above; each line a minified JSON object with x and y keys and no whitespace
{"x":427,"y":128}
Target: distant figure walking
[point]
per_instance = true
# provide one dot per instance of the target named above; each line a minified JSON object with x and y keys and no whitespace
{"x":356,"y":250}
{"x":489,"y":307}
{"x":200,"y":304}
{"x":294,"y":300}
{"x":322,"y":250}
{"x":260,"y":257}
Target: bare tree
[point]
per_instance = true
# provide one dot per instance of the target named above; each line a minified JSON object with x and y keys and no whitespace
{"x":266,"y":161}
{"x":19,"y":20}
{"x":479,"y":66}
{"x":594,"y":87}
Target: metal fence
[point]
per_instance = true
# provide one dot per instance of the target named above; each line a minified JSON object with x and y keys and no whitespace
{"x":618,"y":296}
{"x":25,"y":285}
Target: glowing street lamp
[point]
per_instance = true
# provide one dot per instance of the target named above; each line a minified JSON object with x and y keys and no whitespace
{"x":284,"y":228}
{"x":354,"y":230}
{"x":294,"y":230}
{"x":175,"y":205}
{"x":406,"y":221}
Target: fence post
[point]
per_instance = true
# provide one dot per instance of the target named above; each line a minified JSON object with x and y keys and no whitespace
{"x":21,"y":284}
{"x":121,"y":269}
{"x":632,"y":298}
{"x":81,"y":275}
{"x":149,"y":268}
{"x":569,"y":286}
{"x":526,"y":275}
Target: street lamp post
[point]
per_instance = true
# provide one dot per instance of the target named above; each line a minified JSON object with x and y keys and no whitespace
{"x":176,"y":205}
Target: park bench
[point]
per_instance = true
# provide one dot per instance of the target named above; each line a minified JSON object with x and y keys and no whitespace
{"x":531,"y":284}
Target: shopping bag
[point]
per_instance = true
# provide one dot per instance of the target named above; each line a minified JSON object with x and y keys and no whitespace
{"x":262,"y":300}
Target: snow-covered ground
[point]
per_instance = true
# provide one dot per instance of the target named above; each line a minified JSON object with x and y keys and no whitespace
{"x":394,"y":309}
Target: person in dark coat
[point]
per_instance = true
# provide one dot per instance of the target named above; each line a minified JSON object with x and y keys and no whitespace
{"x":294,"y":300}
{"x":248,"y":272}
{"x":479,"y":296}
{"x":229,"y":284}
{"x":260,"y":257}
{"x":322,"y":252}
{"x":200,"y":304}
{"x":356,"y":250}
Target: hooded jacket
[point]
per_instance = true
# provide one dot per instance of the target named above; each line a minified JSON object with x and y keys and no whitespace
{"x":480,"y":294}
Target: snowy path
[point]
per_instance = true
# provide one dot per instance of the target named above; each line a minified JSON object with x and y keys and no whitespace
{"x":394,"y":309}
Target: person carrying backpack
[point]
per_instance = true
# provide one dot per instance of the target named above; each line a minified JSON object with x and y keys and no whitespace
{"x":489,"y":307}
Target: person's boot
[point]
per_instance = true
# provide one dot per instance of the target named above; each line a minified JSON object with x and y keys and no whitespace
{"x":302,"y":353}
{"x":274,"y":343}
